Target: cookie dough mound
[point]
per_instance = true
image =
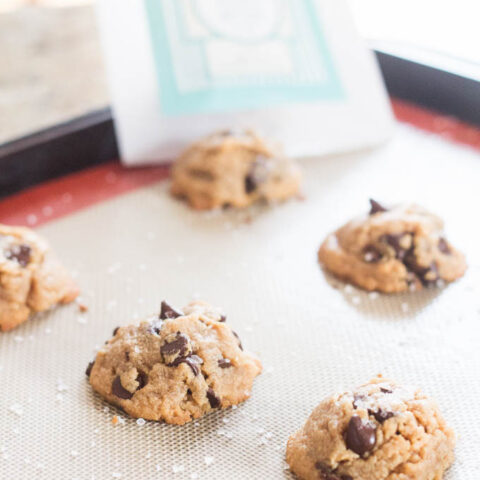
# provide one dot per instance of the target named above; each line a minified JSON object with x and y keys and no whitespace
{"x":233,"y":168}
{"x":31,"y":278}
{"x":380,"y":431}
{"x":175,"y":366}
{"x":392,"y":250}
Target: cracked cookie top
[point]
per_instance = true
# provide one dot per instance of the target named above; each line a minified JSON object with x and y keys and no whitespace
{"x":393,"y":249}
{"x":233,"y":168}
{"x":175,"y":366}
{"x":379,"y":431}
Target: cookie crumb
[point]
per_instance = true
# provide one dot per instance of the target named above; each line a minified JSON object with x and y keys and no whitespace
{"x":82,"y":308}
{"x":114,"y":420}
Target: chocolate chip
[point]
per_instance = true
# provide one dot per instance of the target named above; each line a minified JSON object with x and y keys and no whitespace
{"x":360,"y":436}
{"x":385,"y":390}
{"x":427,"y":275}
{"x":176,"y":346}
{"x":213,"y":399}
{"x":381,"y":415}
{"x":371,"y":254}
{"x":127,"y":356}
{"x":443,"y":246}
{"x":20,"y":253}
{"x":115,"y":330}
{"x":224,"y":363}
{"x":142,"y":379}
{"x":88,"y":371}
{"x":375,"y":207}
{"x":156,"y":326}
{"x":327,"y":473}
{"x":401,"y":244}
{"x":250,"y":184}
{"x":256,"y":175}
{"x":168,"y":311}
{"x":193,"y":361}
{"x":239,"y":341}
{"x":119,"y":391}
{"x":223,"y":318}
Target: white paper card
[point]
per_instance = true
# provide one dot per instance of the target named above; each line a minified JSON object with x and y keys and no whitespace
{"x":294,"y":70}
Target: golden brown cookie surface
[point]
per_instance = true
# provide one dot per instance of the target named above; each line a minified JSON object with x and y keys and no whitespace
{"x":31,"y":277}
{"x":233,"y":168}
{"x":392,"y":250}
{"x":379,"y":431}
{"x":175,"y":367}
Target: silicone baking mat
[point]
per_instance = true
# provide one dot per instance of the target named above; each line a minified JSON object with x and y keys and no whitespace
{"x":131,"y":245}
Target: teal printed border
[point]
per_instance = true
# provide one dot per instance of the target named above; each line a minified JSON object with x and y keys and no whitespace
{"x":173,"y":102}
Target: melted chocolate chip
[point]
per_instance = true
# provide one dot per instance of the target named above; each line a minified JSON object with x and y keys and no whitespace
{"x":427,"y":275}
{"x":405,"y":252}
{"x":20,"y":253}
{"x":360,"y":436}
{"x":213,"y":399}
{"x":119,"y":391}
{"x":443,"y":246}
{"x":223,"y":318}
{"x":395,"y":242}
{"x":88,"y":371}
{"x":115,"y":330}
{"x":178,"y":347}
{"x":239,"y":341}
{"x":193,"y":361}
{"x":224,"y":363}
{"x":375,"y":207}
{"x":127,"y":356}
{"x":371,"y":254}
{"x":381,"y":415}
{"x":142,"y":379}
{"x":167,"y":311}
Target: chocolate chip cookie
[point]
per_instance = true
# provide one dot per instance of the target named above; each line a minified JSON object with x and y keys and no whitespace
{"x":175,"y":366}
{"x":380,"y":431}
{"x":233,"y":168}
{"x":392,"y":250}
{"x":31,"y":278}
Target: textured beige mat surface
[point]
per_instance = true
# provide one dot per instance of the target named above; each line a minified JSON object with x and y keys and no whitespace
{"x":133,"y":251}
